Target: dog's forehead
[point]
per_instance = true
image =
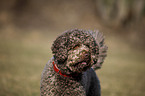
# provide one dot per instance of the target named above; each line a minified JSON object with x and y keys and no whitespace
{"x":81,"y":48}
{"x":79,"y":33}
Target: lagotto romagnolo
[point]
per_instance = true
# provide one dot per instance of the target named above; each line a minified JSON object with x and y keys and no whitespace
{"x":77,"y":54}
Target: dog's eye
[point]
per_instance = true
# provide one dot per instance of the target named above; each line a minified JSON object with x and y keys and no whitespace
{"x":88,"y":45}
{"x":77,"y":46}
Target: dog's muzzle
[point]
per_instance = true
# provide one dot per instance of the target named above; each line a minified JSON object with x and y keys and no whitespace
{"x":79,"y":59}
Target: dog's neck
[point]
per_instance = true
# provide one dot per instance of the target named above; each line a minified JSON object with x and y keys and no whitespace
{"x":57,"y":70}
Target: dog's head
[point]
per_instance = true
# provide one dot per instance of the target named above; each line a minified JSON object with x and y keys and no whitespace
{"x":75,"y":51}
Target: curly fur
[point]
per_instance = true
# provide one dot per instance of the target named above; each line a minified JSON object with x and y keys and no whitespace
{"x":69,"y":39}
{"x":75,"y":52}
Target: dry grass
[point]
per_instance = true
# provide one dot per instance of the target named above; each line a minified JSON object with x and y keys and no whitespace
{"x":23,"y":56}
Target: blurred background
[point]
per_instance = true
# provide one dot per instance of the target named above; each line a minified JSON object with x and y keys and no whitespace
{"x":29,"y":27}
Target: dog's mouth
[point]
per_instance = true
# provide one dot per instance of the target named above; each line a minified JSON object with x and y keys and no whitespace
{"x":82,"y":63}
{"x":78,"y":67}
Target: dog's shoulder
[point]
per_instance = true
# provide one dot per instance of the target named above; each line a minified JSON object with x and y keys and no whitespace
{"x":47,"y":69}
{"x":47,"y":78}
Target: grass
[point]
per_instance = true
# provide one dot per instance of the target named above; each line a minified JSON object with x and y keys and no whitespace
{"x":123,"y":71}
{"x":23,"y":56}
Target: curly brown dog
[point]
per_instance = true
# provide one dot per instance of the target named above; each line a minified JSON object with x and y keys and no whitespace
{"x":70,"y":72}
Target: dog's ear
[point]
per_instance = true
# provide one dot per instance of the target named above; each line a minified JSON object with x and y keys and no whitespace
{"x":99,"y":38}
{"x":59,"y":48}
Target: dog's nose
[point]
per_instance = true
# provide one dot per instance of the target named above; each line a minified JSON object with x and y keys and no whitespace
{"x":86,"y":55}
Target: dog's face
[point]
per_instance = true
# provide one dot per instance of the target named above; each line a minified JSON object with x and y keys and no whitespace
{"x":75,"y":51}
